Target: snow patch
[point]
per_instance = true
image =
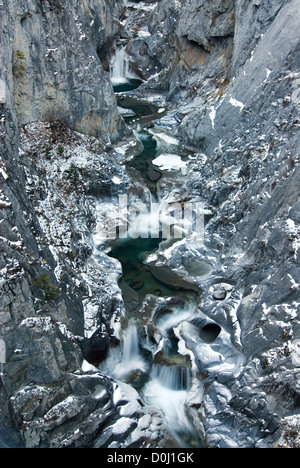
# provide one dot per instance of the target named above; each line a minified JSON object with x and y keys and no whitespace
{"x":236,"y":103}
{"x":166,"y":138}
{"x":212,"y":116}
{"x":41,"y":324}
{"x":296,"y":353}
{"x":144,"y":34}
{"x":122,"y":425}
{"x":3,"y":173}
{"x":2,"y":352}
{"x":116,"y":180}
{"x":87,"y":367}
{"x":294,"y":230}
{"x":169,"y":162}
{"x":2,"y":92}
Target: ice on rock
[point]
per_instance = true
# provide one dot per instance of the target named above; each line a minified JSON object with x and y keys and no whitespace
{"x":168,"y":162}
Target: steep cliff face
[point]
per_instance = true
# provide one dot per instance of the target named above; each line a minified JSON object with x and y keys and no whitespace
{"x":56,"y":72}
{"x":250,"y":135}
{"x":53,"y":302}
{"x":184,"y":46}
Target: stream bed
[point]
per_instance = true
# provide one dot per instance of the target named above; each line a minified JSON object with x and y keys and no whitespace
{"x":150,"y":361}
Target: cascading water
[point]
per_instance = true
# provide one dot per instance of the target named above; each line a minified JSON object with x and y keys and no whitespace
{"x":121,"y":77}
{"x":132,"y":360}
{"x":168,"y":390}
{"x":169,"y":384}
{"x":170,"y":320}
{"x":119,"y":68}
{"x":176,"y":378}
{"x":166,"y":382}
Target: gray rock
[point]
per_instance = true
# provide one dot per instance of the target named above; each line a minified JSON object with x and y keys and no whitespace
{"x":56,"y":68}
{"x":219,"y":294}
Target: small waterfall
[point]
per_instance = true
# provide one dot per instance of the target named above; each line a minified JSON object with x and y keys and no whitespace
{"x":132,"y":361}
{"x":169,"y":385}
{"x":122,"y":78}
{"x":168,"y":389}
{"x":172,"y":377}
{"x":120,"y":66}
{"x":154,"y":217}
{"x":171,"y":320}
{"x":143,"y":220}
{"x":131,"y":351}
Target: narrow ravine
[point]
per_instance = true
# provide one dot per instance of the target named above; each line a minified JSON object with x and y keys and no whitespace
{"x":150,"y":291}
{"x":149,"y":360}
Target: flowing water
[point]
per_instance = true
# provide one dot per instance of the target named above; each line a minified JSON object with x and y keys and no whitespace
{"x":168,"y":389}
{"x":163,"y":377}
{"x":121,"y":77}
{"x":132,"y":360}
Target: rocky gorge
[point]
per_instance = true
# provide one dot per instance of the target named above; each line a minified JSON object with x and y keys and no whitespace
{"x":210,"y":323}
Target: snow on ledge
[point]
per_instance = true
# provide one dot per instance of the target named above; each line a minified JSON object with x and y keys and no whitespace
{"x":2,"y":92}
{"x":168,"y":162}
{"x":236,"y":103}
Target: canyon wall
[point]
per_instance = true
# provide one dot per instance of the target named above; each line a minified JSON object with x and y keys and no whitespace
{"x":228,"y":73}
{"x":52,"y":316}
{"x":53,"y":56}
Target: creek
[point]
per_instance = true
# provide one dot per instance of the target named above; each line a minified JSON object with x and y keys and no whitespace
{"x":151,"y":363}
